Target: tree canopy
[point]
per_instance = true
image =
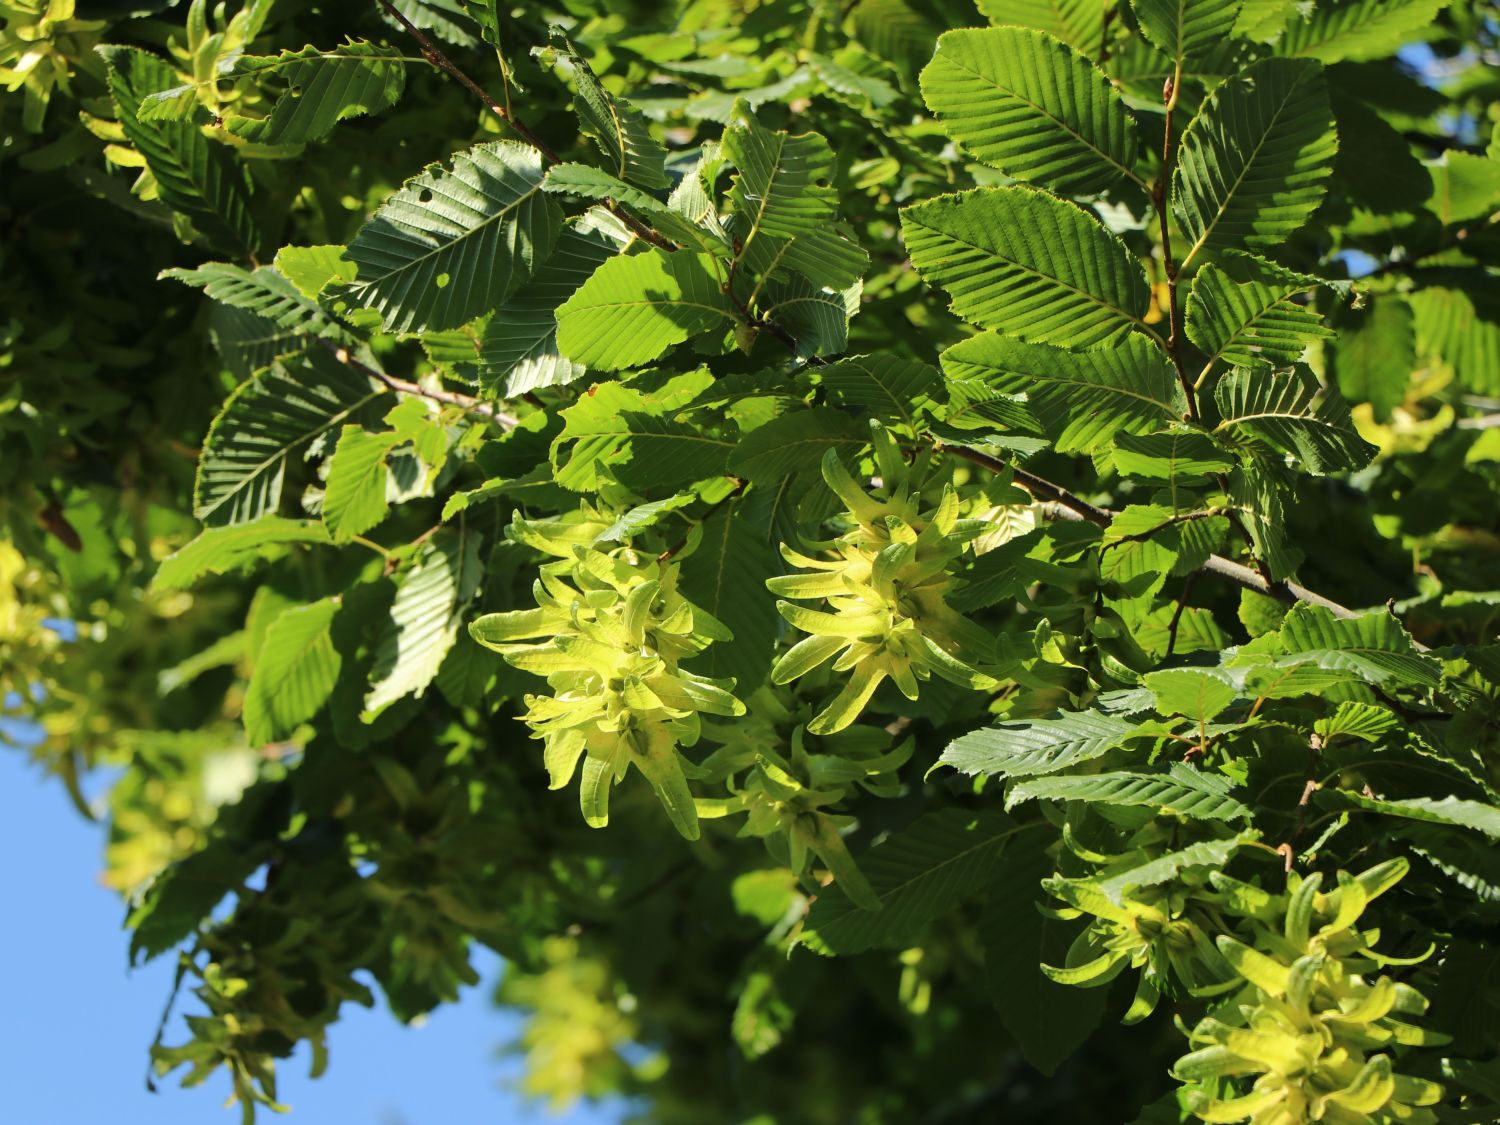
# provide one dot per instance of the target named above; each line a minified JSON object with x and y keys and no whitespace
{"x":904,"y":560}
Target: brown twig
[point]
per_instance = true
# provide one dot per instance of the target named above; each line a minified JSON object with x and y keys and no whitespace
{"x":1075,"y":507}
{"x":434,"y":54}
{"x":1182,"y":600}
{"x":1169,"y":264}
{"x":467,"y":403}
{"x":713,"y":510}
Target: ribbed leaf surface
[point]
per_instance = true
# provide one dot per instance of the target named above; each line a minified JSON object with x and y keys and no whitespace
{"x":218,"y":550}
{"x":262,"y":291}
{"x":635,"y":307}
{"x":1451,"y":328}
{"x":1255,"y":159}
{"x":782,"y":185}
{"x":519,"y":351}
{"x":194,"y":175}
{"x":244,"y":458}
{"x":734,"y":558}
{"x":1185,"y":29}
{"x":1078,"y":23}
{"x":1241,"y":311}
{"x":1183,"y":791}
{"x":1455,"y":812}
{"x":317,"y":89}
{"x":889,"y":387}
{"x":1373,"y":646}
{"x":1277,"y":407}
{"x":1037,"y":746}
{"x":1025,"y":103}
{"x":295,"y":671}
{"x":823,"y":256}
{"x":617,"y":127}
{"x":1336,"y":30}
{"x":453,"y":243}
{"x":424,"y":618}
{"x":795,"y":442}
{"x":918,"y":874}
{"x":585,"y":182}
{"x":354,"y":499}
{"x":1375,"y":354}
{"x":816,"y":318}
{"x":1081,"y":398}
{"x":1027,"y":264}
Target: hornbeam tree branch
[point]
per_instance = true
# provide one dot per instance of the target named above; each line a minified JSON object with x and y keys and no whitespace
{"x":1063,"y":504}
{"x":467,"y":403}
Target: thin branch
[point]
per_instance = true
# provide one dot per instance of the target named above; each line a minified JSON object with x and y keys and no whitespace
{"x":434,"y":54}
{"x":1182,"y":600}
{"x":468,"y":403}
{"x":1169,"y":266}
{"x":1069,"y":506}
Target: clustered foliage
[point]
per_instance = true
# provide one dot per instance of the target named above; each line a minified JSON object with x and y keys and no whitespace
{"x":1016,"y":480}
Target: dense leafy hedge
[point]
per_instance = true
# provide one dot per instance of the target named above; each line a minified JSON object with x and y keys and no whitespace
{"x":990,"y":513}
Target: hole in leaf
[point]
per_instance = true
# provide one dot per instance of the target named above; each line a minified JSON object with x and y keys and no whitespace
{"x":424,"y":196}
{"x":442,"y":280}
{"x":295,"y":91}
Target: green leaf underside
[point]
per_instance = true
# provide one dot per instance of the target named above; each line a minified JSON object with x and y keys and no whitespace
{"x":1037,"y":746}
{"x":1082,"y":398}
{"x":454,"y":242}
{"x":1027,"y":264}
{"x":266,"y":421}
{"x":1242,"y":311}
{"x":1182,"y":792}
{"x":424,"y":619}
{"x":295,"y":671}
{"x":617,"y":127}
{"x":219,"y":550}
{"x":193,"y":174}
{"x":1254,"y":161}
{"x":519,"y":351}
{"x":1028,"y":105}
{"x":1185,"y":29}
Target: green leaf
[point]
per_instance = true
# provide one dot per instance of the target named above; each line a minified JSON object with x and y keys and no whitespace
{"x":1038,"y":746}
{"x":1034,"y":109}
{"x":310,"y":268}
{"x":1241,"y":311}
{"x":1464,"y":186}
{"x":519,"y":350}
{"x":795,"y":443}
{"x":1184,"y":29}
{"x":424,"y":618}
{"x":1028,"y":264}
{"x":1372,"y":646}
{"x":726,"y":575}
{"x":1258,"y":490}
{"x":918,"y":874}
{"x":1183,"y":791}
{"x":617,"y":127}
{"x":586,"y":182}
{"x":1049,"y":1021}
{"x":1454,"y":812}
{"x":888,"y":387}
{"x":1336,"y":30}
{"x":1255,"y":160}
{"x":783,"y":187}
{"x":1375,"y":353}
{"x":622,"y":433}
{"x":317,"y":89}
{"x":637,"y":306}
{"x":1276,"y":407}
{"x":1452,"y":328}
{"x":194,"y":176}
{"x":1078,"y":23}
{"x":262,"y":291}
{"x":454,"y":242}
{"x":1195,"y":693}
{"x":219,"y":550}
{"x":245,"y":455}
{"x":1165,"y":868}
{"x":354,"y":499}
{"x":1082,"y":398}
{"x":1172,"y":456}
{"x":817,"y":319}
{"x":824,"y":256}
{"x":295,"y":671}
